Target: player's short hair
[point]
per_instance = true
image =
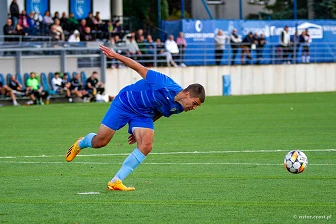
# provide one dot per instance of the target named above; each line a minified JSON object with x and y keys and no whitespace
{"x":196,"y":91}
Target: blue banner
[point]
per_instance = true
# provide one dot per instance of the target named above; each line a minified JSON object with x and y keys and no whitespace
{"x":40,"y":6}
{"x":200,"y":35}
{"x":80,"y":8}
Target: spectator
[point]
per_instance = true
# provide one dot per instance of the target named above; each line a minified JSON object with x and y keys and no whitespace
{"x":305,"y":39}
{"x":139,"y":34}
{"x":261,"y":42}
{"x":98,"y":21}
{"x":82,"y":26}
{"x":182,"y":44}
{"x":133,"y":48}
{"x":246,"y":47}
{"x":77,"y":88}
{"x":109,"y":28}
{"x":235,"y":41}
{"x":219,"y":46}
{"x":19,"y":30}
{"x":295,"y":45}
{"x":59,"y":29}
{"x":74,"y":38}
{"x":26,"y":22}
{"x":87,"y":36}
{"x":64,"y":21}
{"x":6,"y":91}
{"x":47,"y":22}
{"x":285,"y":44}
{"x":73,"y":23}
{"x":66,"y":87}
{"x":118,"y":28}
{"x":15,"y":12}
{"x":161,"y":51}
{"x":93,"y":86}
{"x":171,"y":46}
{"x":38,"y":20}
{"x":54,"y":34}
{"x":34,"y":85}
{"x":9,"y":29}
{"x":150,"y":45}
{"x":56,"y":83}
{"x":56,"y":15}
{"x":90,"y":21}
{"x":117,"y":45}
{"x":16,"y":86}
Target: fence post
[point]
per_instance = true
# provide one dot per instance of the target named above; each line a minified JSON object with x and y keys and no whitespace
{"x":18,"y":62}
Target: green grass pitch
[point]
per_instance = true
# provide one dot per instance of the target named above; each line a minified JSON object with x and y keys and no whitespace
{"x":222,"y":163}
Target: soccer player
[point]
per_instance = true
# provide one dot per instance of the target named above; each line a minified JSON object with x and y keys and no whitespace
{"x":139,"y":105}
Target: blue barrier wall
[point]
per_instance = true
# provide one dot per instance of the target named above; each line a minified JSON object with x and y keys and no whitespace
{"x":200,"y":35}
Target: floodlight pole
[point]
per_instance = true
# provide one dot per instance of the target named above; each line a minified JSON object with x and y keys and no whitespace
{"x":240,"y":9}
{"x":182,"y":9}
{"x":295,"y":9}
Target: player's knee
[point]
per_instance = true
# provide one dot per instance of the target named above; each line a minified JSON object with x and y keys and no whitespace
{"x":146,"y":147}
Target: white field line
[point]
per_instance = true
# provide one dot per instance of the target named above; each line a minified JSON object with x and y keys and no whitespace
{"x":174,"y":153}
{"x":163,"y":163}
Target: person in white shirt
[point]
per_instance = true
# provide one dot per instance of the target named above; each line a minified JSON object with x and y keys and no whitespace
{"x":171,"y":46}
{"x":220,"y":39}
{"x":74,"y":38}
{"x":56,"y":83}
{"x":285,"y":44}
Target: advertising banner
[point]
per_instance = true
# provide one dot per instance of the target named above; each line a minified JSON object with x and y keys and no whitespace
{"x":40,"y":6}
{"x":80,"y":8}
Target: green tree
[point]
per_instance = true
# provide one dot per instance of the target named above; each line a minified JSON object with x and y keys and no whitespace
{"x":325,"y":9}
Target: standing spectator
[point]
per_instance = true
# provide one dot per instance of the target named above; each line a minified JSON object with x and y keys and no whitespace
{"x":150,"y":45}
{"x":34,"y":84}
{"x":219,"y":46}
{"x":246,"y":47}
{"x":235,"y":41}
{"x":74,"y":38}
{"x":93,"y":86}
{"x":182,"y":44}
{"x":171,"y":46}
{"x":15,"y":12}
{"x":285,"y":44}
{"x":56,"y":83}
{"x":295,"y":45}
{"x":305,"y":39}
{"x":6,"y":91}
{"x":261,"y":42}
{"x":8,"y":29}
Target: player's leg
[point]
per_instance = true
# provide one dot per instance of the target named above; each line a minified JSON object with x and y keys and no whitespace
{"x":143,"y":130}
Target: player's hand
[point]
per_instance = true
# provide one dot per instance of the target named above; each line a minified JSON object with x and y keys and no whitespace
{"x":131,"y":139}
{"x":107,"y":51}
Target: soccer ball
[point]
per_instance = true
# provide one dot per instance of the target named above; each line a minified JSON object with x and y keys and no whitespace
{"x":295,"y":161}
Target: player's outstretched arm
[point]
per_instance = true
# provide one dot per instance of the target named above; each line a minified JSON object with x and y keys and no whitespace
{"x":140,"y":69}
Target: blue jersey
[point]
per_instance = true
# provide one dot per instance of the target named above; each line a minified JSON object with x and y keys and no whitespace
{"x":152,"y":95}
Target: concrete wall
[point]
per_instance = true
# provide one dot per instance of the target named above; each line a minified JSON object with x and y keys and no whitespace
{"x":264,"y":79}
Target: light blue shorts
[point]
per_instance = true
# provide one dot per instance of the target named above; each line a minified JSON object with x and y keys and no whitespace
{"x":118,"y":116}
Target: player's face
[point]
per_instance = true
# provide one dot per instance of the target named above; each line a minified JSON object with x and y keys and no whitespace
{"x":190,"y":103}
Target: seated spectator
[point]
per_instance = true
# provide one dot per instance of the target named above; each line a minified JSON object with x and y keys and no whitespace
{"x":33,"y":84}
{"x":77,"y":88}
{"x":19,"y":31}
{"x":54,"y":34}
{"x":56,"y":16}
{"x":19,"y":90}
{"x":72,"y":21}
{"x":171,"y":46}
{"x":6,"y":91}
{"x":150,"y":45}
{"x":93,"y":86}
{"x":86,"y":36}
{"x":38,"y":20}
{"x":133,"y":48}
{"x":64,"y":22}
{"x":138,"y":35}
{"x":59,"y":29}
{"x":109,"y":28}
{"x":47,"y":20}
{"x":56,"y":83}
{"x":66,"y":87}
{"x":118,"y":28}
{"x":82,"y":26}
{"x":74,"y":38}
{"x":161,"y":51}
{"x":98,"y":21}
{"x":90,"y":21}
{"x":25,"y":21}
{"x":9,"y":29}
